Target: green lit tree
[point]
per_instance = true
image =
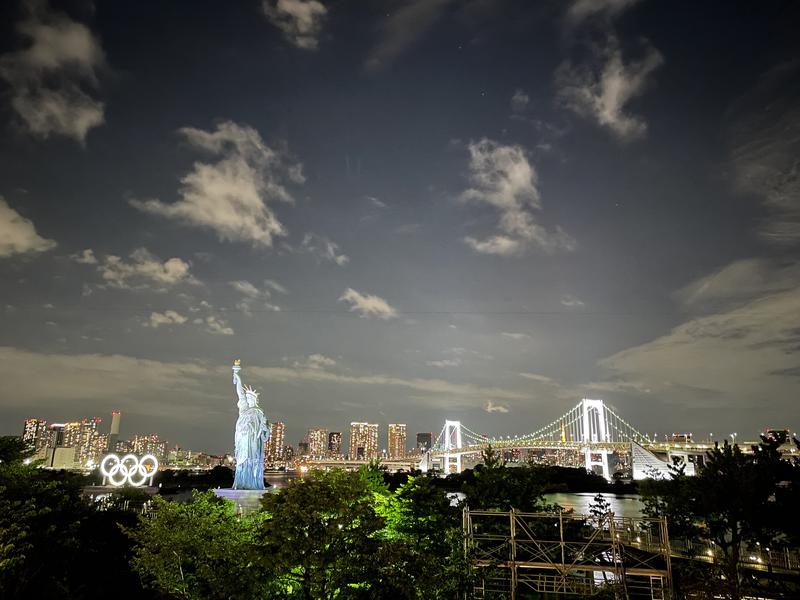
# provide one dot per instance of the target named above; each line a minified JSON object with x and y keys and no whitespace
{"x":319,"y":536}
{"x":199,"y":550}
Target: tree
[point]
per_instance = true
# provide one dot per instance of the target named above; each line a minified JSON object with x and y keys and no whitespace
{"x":734,"y":499}
{"x":199,"y":550}
{"x":12,"y":449}
{"x":319,"y":536}
{"x":426,"y":532}
{"x":494,"y":486}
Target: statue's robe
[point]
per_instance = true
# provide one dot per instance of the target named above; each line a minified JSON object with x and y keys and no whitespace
{"x":251,"y":434}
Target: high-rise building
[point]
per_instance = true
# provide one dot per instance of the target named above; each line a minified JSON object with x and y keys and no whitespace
{"x":275,"y":451}
{"x":363,"y":441}
{"x":89,"y":439}
{"x":317,"y":442}
{"x":149,"y":444}
{"x":335,"y":444}
{"x":397,"y":440}
{"x":72,"y":434}
{"x":424,"y":441}
{"x":302,"y":448}
{"x":35,"y":435}
{"x":113,"y":434}
{"x":56,"y":435}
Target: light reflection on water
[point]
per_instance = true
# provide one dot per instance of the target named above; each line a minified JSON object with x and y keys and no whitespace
{"x":629,"y":505}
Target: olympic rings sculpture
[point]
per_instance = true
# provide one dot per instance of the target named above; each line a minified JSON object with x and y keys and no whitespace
{"x":129,"y":469}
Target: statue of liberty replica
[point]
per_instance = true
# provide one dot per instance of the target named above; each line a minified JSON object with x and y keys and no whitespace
{"x":251,"y":434}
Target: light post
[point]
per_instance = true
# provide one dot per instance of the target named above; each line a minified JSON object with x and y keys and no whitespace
{"x":733,"y":437}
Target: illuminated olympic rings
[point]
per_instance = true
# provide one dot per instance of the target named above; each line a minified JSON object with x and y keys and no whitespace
{"x":129,"y":469}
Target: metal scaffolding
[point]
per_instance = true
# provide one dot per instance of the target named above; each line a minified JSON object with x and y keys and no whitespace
{"x":517,"y":554}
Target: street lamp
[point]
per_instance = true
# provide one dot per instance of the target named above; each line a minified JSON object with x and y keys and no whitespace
{"x":733,"y":437}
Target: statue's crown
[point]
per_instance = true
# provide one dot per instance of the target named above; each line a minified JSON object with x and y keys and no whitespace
{"x":249,"y":390}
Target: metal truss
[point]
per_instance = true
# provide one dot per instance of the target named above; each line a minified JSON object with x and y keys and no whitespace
{"x":515,"y":554}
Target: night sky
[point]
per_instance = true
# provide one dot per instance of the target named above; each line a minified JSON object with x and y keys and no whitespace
{"x":400,"y":211}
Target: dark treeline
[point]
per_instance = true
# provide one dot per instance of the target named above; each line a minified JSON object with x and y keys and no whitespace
{"x":353,"y":535}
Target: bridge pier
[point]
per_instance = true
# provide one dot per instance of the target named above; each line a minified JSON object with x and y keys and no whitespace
{"x":597,"y":458}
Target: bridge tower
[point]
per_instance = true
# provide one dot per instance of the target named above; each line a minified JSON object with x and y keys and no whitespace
{"x":595,"y":429}
{"x":451,"y":441}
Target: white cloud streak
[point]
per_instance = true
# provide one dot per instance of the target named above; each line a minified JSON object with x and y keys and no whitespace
{"x":215,"y":325}
{"x":570,"y":301}
{"x":503,"y":178}
{"x":444,"y":363}
{"x":368,"y":305}
{"x":403,"y":28}
{"x":86,"y":257}
{"x":492,"y":407}
{"x":251,"y":294}
{"x":765,"y":146}
{"x":601,"y":89}
{"x":748,"y":348}
{"x":300,"y":21}
{"x":324,"y":249}
{"x":231,"y":197}
{"x":18,"y":235}
{"x":51,"y":78}
{"x":168,"y":317}
{"x":515,"y":335}
{"x":581,"y":10}
{"x":144,"y":270}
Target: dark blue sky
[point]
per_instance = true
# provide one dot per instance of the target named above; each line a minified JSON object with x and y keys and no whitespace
{"x":400,"y":211}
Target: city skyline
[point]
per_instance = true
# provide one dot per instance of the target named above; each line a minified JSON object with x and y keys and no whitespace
{"x":400,"y":213}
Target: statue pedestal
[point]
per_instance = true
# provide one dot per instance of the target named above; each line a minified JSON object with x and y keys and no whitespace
{"x":246,"y":501}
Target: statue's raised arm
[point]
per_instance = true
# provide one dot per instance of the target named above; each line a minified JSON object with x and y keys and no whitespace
{"x":237,"y":382}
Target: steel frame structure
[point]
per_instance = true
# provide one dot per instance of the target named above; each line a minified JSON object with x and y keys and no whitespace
{"x":515,"y":553}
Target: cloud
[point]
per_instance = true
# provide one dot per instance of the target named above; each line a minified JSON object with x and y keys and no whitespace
{"x":402,"y":28}
{"x":300,"y":21}
{"x":135,"y":383}
{"x":748,"y":353}
{"x":314,"y":361}
{"x":251,"y":294}
{"x":503,"y":178}
{"x":539,"y":378}
{"x":443,"y":364}
{"x":765,"y":145}
{"x":436,"y":387}
{"x":581,"y":10}
{"x":602,"y":88}
{"x":519,"y":102}
{"x":144,"y":270}
{"x":376,"y":202}
{"x":215,"y":325}
{"x":168,"y":317}
{"x":245,"y":288}
{"x":491,"y":407}
{"x":324,"y":249}
{"x":274,"y":285}
{"x":368,"y":305}
{"x":515,"y":336}
{"x":86,"y":257}
{"x":51,"y":78}
{"x":571,"y":301}
{"x":739,"y":282}
{"x":18,"y":235}
{"x":408,"y":229}
{"x":231,"y":197}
